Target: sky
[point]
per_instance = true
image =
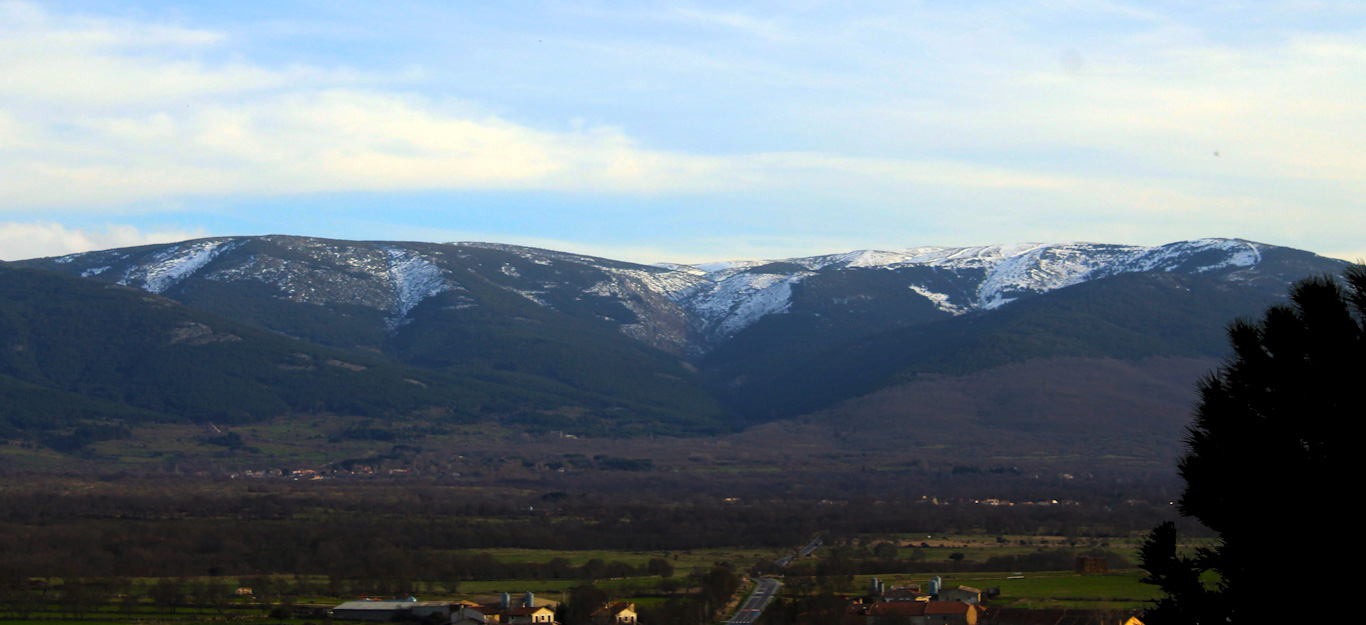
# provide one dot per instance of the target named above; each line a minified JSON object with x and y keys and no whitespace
{"x":684,"y":132}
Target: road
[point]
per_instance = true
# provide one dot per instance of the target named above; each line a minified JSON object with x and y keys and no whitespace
{"x":806,"y":551}
{"x":811,"y":548}
{"x":758,"y":600}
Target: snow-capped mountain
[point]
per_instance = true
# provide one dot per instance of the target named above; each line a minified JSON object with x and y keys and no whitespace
{"x":685,"y":309}
{"x":742,"y":292}
{"x":557,"y":340}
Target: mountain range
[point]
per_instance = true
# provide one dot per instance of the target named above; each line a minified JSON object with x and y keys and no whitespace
{"x":239,"y":329}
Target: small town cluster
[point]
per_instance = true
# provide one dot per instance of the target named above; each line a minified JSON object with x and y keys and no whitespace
{"x":935,"y":604}
{"x":527,"y":610}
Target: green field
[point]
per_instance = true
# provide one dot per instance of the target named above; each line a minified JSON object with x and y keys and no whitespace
{"x":1047,"y":589}
{"x":131,"y":600}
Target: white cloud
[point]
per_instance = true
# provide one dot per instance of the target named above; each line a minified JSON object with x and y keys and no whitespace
{"x":87,"y":63}
{"x":20,"y":240}
{"x":959,"y":116}
{"x":350,"y":140}
{"x":134,"y":116}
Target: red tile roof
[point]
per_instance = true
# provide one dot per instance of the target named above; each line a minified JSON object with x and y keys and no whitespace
{"x":898,"y":608}
{"x":612,"y":609}
{"x":946,"y":607}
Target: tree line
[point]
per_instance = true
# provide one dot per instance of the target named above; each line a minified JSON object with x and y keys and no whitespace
{"x":170,"y":528}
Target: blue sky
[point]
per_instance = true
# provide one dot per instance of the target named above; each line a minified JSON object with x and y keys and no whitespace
{"x":684,"y":131}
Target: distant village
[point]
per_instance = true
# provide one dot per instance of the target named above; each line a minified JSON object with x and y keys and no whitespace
{"x":880,"y":604}
{"x":369,"y":471}
{"x":524,"y":610}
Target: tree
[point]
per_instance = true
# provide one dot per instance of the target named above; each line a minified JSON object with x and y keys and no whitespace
{"x":1184,"y":596}
{"x":578,"y":607}
{"x":660,"y":567}
{"x":717,"y":586}
{"x":1268,"y":453}
{"x":167,"y":593}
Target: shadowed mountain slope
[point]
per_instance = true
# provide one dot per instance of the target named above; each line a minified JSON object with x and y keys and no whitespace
{"x":79,"y":352}
{"x":539,"y":339}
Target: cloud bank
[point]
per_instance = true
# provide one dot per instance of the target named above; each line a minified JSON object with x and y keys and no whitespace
{"x":1136,"y":126}
{"x":19,"y":241}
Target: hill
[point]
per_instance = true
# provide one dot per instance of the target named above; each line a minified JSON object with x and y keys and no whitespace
{"x":537,"y":340}
{"x":81,"y":354}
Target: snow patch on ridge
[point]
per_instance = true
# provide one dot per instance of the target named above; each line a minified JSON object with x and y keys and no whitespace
{"x":415,"y":278}
{"x":1039,"y":269}
{"x":940,"y":300}
{"x":739,"y":297}
{"x":1170,"y":257}
{"x":169,"y":267}
{"x":1243,"y":254}
{"x":675,"y":285}
{"x":742,"y":299}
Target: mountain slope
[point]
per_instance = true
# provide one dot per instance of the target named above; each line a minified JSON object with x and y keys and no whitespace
{"x":78,"y":349}
{"x":628,"y":347}
{"x":1074,"y":414}
{"x":473,"y":311}
{"x":1127,"y":316}
{"x":77,"y":352}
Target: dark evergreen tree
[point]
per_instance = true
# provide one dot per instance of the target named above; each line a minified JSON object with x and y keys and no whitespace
{"x":578,"y":607}
{"x":1185,"y":598}
{"x":1267,"y":455}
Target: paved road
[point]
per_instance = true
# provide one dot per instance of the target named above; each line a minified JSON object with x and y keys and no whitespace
{"x":758,"y":600}
{"x":805,"y":551}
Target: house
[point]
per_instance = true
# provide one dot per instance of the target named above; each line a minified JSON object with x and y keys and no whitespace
{"x":1088,"y":565}
{"x":615,"y":614}
{"x":422,"y":609}
{"x":904,"y":593}
{"x":372,"y":610}
{"x":951,"y":612}
{"x":898,"y":613}
{"x":913,"y":613}
{"x":530,"y":616}
{"x":505,"y":612}
{"x":473,"y":615}
{"x":966,"y":594}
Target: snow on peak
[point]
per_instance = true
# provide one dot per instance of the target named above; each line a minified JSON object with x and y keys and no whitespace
{"x":739,"y":296}
{"x":1037,"y":268}
{"x":415,"y":278}
{"x":729,"y":265}
{"x":1170,"y":257}
{"x":170,"y":266}
{"x":735,"y":303}
{"x":1242,"y":254}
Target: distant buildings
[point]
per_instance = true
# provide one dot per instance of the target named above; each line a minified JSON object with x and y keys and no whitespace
{"x":615,"y":614}
{"x":374,"y":610}
{"x":965,"y":594}
{"x":912,"y":613}
{"x":524,"y":611}
{"x":905,"y":605}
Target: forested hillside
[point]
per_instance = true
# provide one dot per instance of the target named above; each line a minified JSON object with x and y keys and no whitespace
{"x":238,"y":330}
